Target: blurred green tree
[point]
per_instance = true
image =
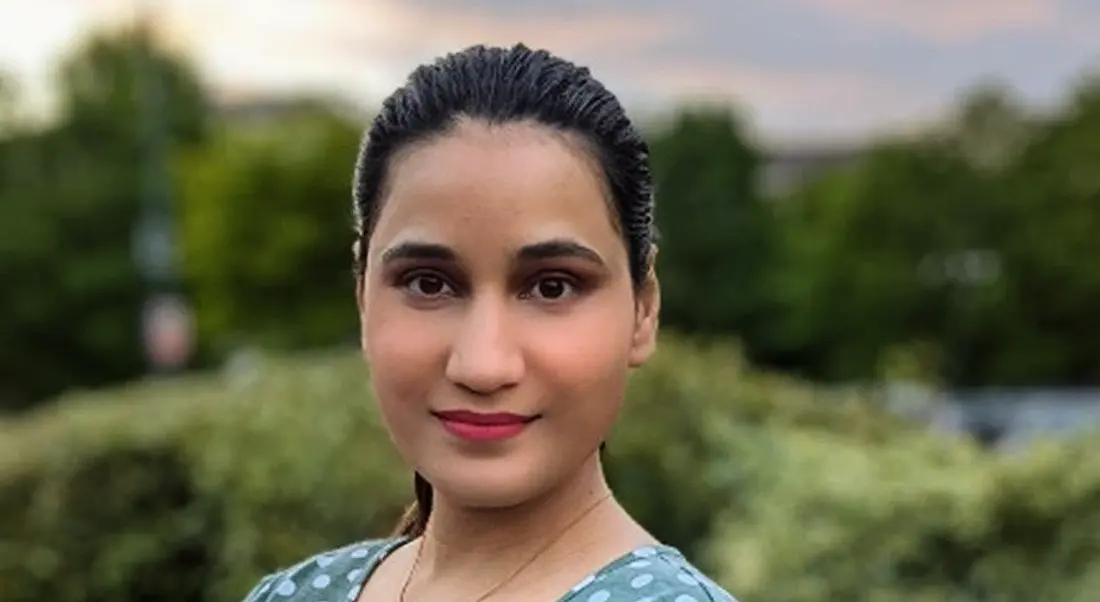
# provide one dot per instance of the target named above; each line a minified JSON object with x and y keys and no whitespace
{"x":970,"y":246}
{"x":267,"y":231}
{"x":715,"y":229}
{"x":891,"y":251}
{"x":9,"y":104}
{"x":69,"y":199}
{"x":1049,"y":331}
{"x":990,"y":126}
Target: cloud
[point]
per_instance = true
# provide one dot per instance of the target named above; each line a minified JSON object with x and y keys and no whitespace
{"x":946,"y":21}
{"x":1082,"y":26}
{"x":652,"y":59}
{"x":365,"y":47}
{"x":833,"y":64}
{"x":823,"y":88}
{"x":34,"y":36}
{"x":409,"y":29}
{"x":791,"y":104}
{"x":632,"y":52}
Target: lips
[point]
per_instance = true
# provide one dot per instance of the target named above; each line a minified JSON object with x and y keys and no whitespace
{"x":481,"y":427}
{"x":479,"y":419}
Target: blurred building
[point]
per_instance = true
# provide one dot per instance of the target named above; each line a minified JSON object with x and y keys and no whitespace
{"x":1009,"y":418}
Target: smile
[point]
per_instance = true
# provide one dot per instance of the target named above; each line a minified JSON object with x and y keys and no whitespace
{"x":476,"y":426}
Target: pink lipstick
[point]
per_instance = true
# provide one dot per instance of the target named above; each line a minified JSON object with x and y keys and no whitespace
{"x":475,"y":426}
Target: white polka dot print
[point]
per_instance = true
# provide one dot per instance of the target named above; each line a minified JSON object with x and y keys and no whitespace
{"x":286,"y":589}
{"x":687,"y":579}
{"x":647,"y":574}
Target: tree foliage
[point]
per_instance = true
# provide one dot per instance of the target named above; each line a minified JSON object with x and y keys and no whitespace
{"x":69,"y":198}
{"x":972,"y":246}
{"x":715,"y":230}
{"x":267,"y":232}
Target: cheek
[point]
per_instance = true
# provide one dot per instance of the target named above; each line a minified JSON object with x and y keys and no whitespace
{"x":586,"y":358}
{"x":402,"y":350}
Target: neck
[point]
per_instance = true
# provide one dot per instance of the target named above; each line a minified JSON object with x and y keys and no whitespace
{"x":459,"y":538}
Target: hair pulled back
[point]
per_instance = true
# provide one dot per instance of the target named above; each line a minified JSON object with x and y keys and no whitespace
{"x":497,"y":86}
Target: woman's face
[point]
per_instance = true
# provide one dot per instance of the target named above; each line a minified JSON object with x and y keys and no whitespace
{"x":498,"y":315}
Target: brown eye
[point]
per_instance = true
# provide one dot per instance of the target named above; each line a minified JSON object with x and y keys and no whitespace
{"x":552,"y":289}
{"x":427,"y":286}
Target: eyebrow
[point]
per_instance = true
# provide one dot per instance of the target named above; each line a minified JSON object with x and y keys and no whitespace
{"x":413,"y":250}
{"x":557,"y":248}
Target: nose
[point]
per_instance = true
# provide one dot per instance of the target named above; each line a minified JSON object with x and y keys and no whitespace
{"x":485,"y":357}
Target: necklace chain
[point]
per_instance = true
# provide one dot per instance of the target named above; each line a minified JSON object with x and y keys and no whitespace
{"x":522,"y":567}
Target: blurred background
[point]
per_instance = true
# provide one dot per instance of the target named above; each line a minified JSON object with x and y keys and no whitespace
{"x":881,"y":223}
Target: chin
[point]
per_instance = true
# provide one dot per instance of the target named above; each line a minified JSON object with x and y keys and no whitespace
{"x":489,"y":487}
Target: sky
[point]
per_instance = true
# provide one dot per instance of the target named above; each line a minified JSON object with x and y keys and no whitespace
{"x":797,"y":69}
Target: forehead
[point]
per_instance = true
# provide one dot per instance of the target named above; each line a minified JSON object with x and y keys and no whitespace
{"x":485,"y":185}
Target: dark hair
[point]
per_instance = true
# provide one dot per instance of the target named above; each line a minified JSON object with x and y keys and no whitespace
{"x":504,"y":85}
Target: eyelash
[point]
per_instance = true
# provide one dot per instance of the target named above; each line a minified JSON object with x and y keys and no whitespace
{"x":574,"y":285}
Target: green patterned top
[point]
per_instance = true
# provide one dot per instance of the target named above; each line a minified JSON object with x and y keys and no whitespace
{"x":648,"y":574}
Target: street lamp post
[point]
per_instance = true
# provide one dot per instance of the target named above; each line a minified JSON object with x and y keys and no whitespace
{"x":166,"y":318}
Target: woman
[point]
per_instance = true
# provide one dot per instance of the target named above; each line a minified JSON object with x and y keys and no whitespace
{"x":504,"y":271}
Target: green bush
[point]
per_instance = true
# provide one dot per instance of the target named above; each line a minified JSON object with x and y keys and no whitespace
{"x":914,"y":520}
{"x":190,"y":489}
{"x":696,"y":430}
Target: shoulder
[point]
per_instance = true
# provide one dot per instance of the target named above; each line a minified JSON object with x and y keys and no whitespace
{"x":321,"y":576}
{"x":652,"y":574}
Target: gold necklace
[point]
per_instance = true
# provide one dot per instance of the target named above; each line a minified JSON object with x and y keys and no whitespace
{"x":515,"y":573}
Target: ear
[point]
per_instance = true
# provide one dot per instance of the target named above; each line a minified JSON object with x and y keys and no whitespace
{"x":360,"y":292}
{"x":646,"y":318}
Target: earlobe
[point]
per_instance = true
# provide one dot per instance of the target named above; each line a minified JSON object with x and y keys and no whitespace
{"x":647,"y":322}
{"x":359,"y":292}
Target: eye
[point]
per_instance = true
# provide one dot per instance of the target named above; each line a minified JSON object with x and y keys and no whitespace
{"x":553,"y":288}
{"x":428,"y":285}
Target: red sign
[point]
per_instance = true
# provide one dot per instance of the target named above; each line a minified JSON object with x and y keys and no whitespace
{"x":168,"y":326}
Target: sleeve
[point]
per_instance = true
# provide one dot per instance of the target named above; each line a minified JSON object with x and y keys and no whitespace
{"x":260,"y":592}
{"x":693,"y":586}
{"x":693,"y":594}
